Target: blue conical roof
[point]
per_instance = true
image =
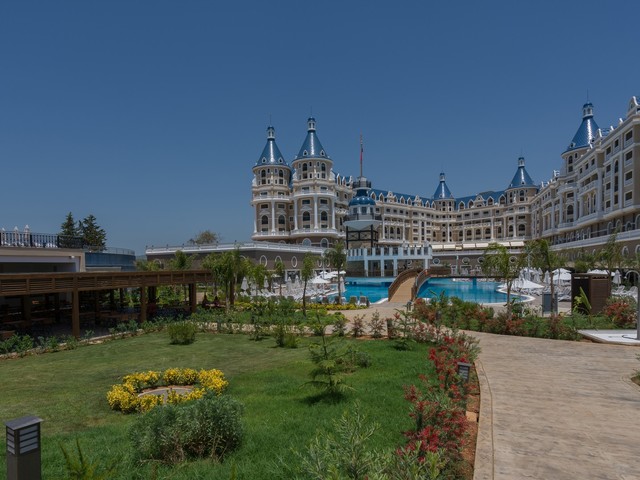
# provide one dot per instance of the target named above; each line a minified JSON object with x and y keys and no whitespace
{"x":271,"y":154}
{"x":521,"y":178}
{"x":442,"y":191}
{"x":311,"y":148}
{"x":587,"y":130}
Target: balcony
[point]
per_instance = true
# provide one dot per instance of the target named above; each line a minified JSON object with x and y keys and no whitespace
{"x":26,"y":239}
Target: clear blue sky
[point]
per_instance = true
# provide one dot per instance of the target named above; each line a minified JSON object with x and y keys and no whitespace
{"x":151,"y":114}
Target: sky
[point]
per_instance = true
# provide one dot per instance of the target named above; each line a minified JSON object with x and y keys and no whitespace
{"x":151,"y":114}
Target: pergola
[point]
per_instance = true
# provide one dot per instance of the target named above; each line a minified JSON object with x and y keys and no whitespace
{"x":30,"y":284}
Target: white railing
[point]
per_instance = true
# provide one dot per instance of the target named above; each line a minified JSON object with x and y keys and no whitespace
{"x":224,"y":247}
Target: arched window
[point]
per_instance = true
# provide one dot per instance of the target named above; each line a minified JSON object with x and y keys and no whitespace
{"x":522,"y":195}
{"x":281,"y":220}
{"x":324,"y":243}
{"x":306,"y":217}
{"x":264,"y":220}
{"x":263,"y":260}
{"x":281,"y":176}
{"x":323,"y":170}
{"x":306,"y":242}
{"x":324,"y":218}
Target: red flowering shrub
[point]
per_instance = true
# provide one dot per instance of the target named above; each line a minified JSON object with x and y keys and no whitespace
{"x":621,"y":311}
{"x":438,"y":407}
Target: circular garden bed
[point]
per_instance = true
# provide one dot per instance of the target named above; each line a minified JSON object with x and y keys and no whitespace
{"x":141,"y":391}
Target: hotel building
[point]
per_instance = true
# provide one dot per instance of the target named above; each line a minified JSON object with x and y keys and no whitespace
{"x":595,"y":193}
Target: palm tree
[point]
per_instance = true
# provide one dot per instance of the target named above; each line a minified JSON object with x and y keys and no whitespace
{"x":541,"y":256}
{"x":503,"y":265}
{"x":213,"y":263}
{"x":338,"y":260}
{"x":306,"y":274}
{"x":279,"y":270}
{"x":232,"y":269}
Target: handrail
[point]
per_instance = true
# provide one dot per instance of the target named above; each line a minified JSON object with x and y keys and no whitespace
{"x":41,"y":283}
{"x":422,"y":277}
{"x":400,"y":279}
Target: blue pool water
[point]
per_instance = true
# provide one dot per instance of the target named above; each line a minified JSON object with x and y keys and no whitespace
{"x":374,"y":288}
{"x":469,"y":291}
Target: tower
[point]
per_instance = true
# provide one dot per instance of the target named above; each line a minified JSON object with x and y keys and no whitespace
{"x":271,"y":195}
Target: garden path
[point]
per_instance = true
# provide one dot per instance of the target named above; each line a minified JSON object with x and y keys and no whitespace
{"x":558,"y":410}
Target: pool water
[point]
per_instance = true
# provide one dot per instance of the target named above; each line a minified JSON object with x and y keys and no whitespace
{"x":469,"y":291}
{"x":377,"y":289}
{"x":373,"y":288}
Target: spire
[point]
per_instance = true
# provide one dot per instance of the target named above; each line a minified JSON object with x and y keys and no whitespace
{"x":311,"y":148}
{"x":521,"y":178}
{"x":442,"y":191}
{"x":271,"y":154}
{"x":587,"y":130}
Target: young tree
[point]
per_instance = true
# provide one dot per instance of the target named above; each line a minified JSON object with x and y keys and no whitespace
{"x":93,"y":236}
{"x":338,"y":260}
{"x":214,"y":263}
{"x":499,"y":262}
{"x":181,"y":261}
{"x":232,"y":269}
{"x":147,"y":266}
{"x":610,"y":256}
{"x":206,"y":237}
{"x":306,"y":274}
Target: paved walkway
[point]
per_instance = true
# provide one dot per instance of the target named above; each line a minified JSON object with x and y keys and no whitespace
{"x":557,"y":410}
{"x":553,"y":409}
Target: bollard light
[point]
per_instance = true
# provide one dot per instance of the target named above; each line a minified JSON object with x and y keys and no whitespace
{"x":23,"y":448}
{"x":463,"y":370}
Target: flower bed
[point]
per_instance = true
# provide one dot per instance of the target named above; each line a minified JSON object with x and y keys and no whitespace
{"x":129,"y":396}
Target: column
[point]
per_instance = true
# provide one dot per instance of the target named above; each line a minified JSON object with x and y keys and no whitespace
{"x":75,"y":313}
{"x":143,"y":304}
{"x":193,"y":300}
{"x":395,"y":266}
{"x":295,"y":215}
{"x":333,"y":214}
{"x":315,"y":213}
{"x":273,"y":216}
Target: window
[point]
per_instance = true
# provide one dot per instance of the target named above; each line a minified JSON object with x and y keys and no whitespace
{"x":264,"y":206}
{"x":264,"y":220}
{"x":306,"y":217}
{"x":628,"y":196}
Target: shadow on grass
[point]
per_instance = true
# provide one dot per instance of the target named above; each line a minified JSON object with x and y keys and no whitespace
{"x":332,"y":398}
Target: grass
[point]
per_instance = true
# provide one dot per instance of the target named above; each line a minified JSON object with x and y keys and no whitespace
{"x":68,"y":390}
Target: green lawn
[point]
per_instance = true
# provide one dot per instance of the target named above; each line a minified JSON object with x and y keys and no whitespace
{"x":68,"y":390}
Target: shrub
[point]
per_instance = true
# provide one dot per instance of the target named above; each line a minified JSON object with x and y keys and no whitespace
{"x":208,"y":428}
{"x":182,"y":333}
{"x":376,"y":325}
{"x":622,"y":311}
{"x":357,"y":326}
{"x":339,"y":324}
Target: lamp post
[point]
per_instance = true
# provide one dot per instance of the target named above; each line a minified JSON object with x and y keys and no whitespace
{"x":463,"y":370}
{"x":23,"y":448}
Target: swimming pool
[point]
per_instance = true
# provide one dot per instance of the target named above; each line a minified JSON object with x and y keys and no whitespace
{"x":469,"y":291}
{"x":377,"y":288}
{"x":374,"y":288}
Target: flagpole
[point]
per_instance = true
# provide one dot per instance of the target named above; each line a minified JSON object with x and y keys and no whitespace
{"x":361,"y":150}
